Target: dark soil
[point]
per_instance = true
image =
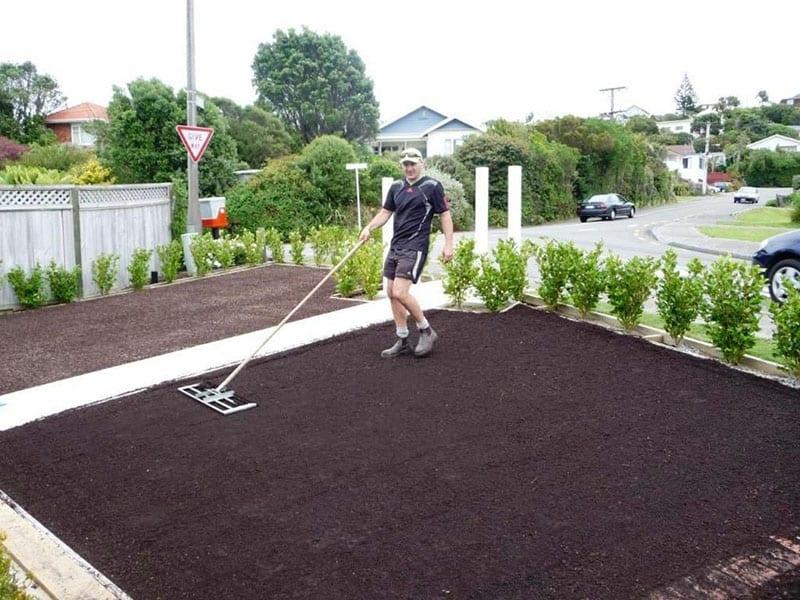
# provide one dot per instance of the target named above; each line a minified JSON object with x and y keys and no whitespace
{"x":527,"y":457}
{"x":48,"y":344}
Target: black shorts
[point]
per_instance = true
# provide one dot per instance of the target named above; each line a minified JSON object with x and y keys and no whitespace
{"x":405,"y":264}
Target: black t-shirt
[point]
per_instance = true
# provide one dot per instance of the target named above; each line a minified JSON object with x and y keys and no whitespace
{"x":413,"y":206}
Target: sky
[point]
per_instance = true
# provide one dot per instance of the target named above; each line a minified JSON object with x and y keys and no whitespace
{"x":472,"y":60}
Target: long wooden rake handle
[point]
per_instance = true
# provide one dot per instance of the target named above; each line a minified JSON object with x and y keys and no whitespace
{"x":243,"y":364}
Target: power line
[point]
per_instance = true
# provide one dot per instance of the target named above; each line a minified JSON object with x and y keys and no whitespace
{"x":612,"y":90}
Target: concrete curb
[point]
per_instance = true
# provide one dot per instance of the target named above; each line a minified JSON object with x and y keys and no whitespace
{"x":54,"y":566}
{"x":750,"y":364}
{"x":669,"y":242}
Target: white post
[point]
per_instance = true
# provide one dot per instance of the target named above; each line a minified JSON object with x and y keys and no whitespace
{"x":481,"y":210}
{"x":358,"y":201}
{"x":388,"y":229}
{"x":515,"y":204}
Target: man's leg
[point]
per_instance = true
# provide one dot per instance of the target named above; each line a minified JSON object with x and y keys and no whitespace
{"x":401,"y":297}
{"x":400,"y":315}
{"x":427,"y":336}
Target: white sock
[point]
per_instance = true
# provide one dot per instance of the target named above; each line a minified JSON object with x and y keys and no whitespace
{"x":402,"y":333}
{"x":423,"y":324}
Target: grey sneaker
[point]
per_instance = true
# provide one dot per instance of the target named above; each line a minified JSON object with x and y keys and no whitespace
{"x":401,"y":346}
{"x":425,"y":343}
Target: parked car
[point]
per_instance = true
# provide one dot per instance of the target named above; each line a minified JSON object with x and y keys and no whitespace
{"x":746,"y":194}
{"x":779,"y":256}
{"x":723,"y":186}
{"x":605,"y":206}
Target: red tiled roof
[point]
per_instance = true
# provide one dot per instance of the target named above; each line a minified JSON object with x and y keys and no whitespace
{"x":82,"y":112}
{"x":715,"y":177}
{"x":682,"y":150}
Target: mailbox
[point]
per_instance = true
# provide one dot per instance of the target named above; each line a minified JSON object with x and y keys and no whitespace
{"x":212,"y":212}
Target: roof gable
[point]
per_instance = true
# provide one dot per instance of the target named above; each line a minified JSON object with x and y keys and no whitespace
{"x":777,"y":136}
{"x":81,"y":112}
{"x":453,"y":124}
{"x":414,"y":123}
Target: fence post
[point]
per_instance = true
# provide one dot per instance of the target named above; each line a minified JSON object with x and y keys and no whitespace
{"x":76,"y":234}
{"x":481,"y":210}
{"x":515,"y":204}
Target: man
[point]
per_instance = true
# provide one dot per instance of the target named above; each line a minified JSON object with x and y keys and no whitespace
{"x":413,"y":201}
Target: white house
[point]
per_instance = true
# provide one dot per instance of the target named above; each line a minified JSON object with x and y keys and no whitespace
{"x":776,"y":142}
{"x":623,"y":116}
{"x":689,"y":165}
{"x":431,"y":132}
{"x":676,"y":125}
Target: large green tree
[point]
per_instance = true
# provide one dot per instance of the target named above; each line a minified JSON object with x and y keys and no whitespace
{"x":26,"y":98}
{"x":316,"y":85}
{"x":140,"y":143}
{"x":686,"y":97}
{"x":258,"y":133}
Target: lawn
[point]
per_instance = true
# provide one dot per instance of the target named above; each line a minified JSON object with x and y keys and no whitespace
{"x":753,"y":225}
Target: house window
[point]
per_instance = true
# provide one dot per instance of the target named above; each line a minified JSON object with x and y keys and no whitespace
{"x":80,"y":137}
{"x":788,"y":148}
{"x":685,"y":163}
{"x":702,"y":163}
{"x":679,"y":128}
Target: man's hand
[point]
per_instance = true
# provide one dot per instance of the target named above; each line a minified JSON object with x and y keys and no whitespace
{"x":364,"y":235}
{"x":447,"y":252}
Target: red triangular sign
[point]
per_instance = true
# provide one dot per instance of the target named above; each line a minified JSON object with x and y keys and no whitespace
{"x":195,"y":139}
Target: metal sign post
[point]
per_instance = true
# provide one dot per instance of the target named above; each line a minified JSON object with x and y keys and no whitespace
{"x":357,"y":167}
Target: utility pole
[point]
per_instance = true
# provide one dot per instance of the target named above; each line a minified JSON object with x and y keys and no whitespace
{"x":612,"y":90}
{"x":705,"y":175}
{"x":193,"y":212}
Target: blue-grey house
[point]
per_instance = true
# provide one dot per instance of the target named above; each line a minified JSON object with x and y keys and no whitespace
{"x":433,"y":133}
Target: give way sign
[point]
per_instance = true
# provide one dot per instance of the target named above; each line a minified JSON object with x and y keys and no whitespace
{"x":195,"y":139}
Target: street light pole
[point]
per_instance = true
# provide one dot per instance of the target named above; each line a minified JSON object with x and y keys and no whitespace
{"x":193,"y":209}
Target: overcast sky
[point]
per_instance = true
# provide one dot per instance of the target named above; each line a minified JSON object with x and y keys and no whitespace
{"x":473,"y":60}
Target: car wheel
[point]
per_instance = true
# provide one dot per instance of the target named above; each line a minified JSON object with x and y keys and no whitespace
{"x":613,"y":214}
{"x":736,"y":201}
{"x":583,"y":219}
{"x":783,"y":274}
{"x":633,"y":212}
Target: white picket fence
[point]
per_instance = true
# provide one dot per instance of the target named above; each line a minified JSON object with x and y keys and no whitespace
{"x":74,"y":224}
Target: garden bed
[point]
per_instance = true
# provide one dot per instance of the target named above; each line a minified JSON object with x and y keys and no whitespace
{"x":54,"y":342}
{"x":529,"y":456}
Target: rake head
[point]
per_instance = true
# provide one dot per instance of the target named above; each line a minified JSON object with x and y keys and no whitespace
{"x":225,"y":401}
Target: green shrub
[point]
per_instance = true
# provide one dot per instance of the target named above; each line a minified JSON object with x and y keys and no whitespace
{"x":275,"y":245}
{"x":498,"y":218}
{"x":139,"y":268}
{"x":679,"y":299}
{"x":732,"y":306}
{"x":372,"y":179}
{"x":556,"y":262}
{"x":786,"y":337}
{"x":104,"y":272}
{"x":29,"y":289}
{"x":224,"y":250}
{"x":56,"y":157}
{"x":323,"y":164}
{"x":369,"y":267}
{"x":796,"y":182}
{"x":460,"y":273}
{"x":766,"y":168}
{"x":91,"y":173}
{"x":297,"y":245}
{"x":202,"y":249}
{"x":347,"y":277}
{"x":20,"y":175}
{"x":319,"y":245}
{"x":628,"y":286}
{"x":794,"y":202}
{"x":504,"y":277}
{"x":170,"y":256}
{"x":254,"y":246}
{"x":586,"y":280}
{"x":461,"y":211}
{"x":64,"y":283}
{"x":279,"y":197}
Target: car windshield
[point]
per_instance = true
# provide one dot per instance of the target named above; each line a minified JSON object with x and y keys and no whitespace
{"x":599,"y":198}
{"x":748,"y":190}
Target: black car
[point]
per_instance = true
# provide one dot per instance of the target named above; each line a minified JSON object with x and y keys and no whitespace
{"x":605,"y":206}
{"x":779,"y":256}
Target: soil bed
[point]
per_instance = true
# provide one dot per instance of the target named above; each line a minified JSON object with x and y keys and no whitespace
{"x":528,"y":457}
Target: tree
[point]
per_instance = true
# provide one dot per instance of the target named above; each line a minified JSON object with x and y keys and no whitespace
{"x":642,"y":124}
{"x":316,"y":85}
{"x":26,"y":98}
{"x":686,"y":97}
{"x":699,"y":124}
{"x":762,"y":96}
{"x":141,"y":146}
{"x":259,"y":134}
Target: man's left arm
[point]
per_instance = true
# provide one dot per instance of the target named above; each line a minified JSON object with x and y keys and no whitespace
{"x":440,"y":207}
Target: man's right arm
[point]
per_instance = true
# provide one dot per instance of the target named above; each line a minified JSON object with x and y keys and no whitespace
{"x":378,"y":220}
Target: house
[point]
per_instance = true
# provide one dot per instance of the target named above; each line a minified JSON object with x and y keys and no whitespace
{"x":776,"y":142}
{"x":431,"y":132}
{"x":687,"y":163}
{"x":623,"y":116}
{"x":793,"y":101}
{"x":676,"y":125}
{"x":69,"y":123}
